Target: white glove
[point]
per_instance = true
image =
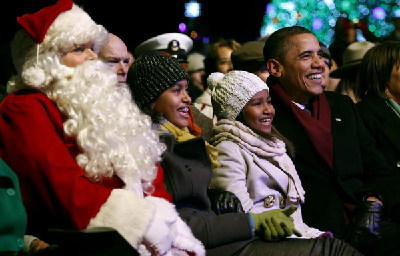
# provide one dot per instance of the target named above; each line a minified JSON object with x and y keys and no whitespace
{"x":158,"y":238}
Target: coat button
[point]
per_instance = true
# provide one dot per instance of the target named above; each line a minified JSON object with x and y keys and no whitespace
{"x":11,"y":192}
{"x":188,"y":168}
{"x":20,"y":242}
{"x":269,"y":201}
{"x":282,"y":202}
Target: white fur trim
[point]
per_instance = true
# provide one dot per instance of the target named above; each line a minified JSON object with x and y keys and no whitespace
{"x":28,"y":239}
{"x":185,"y":240}
{"x":33,"y":76}
{"x":127,"y":213}
{"x":182,"y":234}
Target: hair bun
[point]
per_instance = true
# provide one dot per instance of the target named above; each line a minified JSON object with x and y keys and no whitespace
{"x":214,"y":79}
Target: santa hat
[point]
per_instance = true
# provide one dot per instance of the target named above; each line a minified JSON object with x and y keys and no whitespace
{"x":50,"y":32}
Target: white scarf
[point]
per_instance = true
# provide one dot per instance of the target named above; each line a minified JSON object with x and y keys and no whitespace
{"x":260,"y":147}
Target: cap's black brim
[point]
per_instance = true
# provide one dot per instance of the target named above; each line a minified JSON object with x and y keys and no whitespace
{"x":345,"y":70}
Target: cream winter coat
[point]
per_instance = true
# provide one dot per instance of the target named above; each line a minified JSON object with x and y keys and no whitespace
{"x":258,"y":171}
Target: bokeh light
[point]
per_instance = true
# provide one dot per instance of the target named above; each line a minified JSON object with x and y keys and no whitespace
{"x":320,"y":16}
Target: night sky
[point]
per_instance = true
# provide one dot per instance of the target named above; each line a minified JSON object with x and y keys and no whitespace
{"x":143,"y":20}
{"x":148,"y":18}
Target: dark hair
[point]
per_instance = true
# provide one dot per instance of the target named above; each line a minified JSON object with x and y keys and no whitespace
{"x":210,"y":65}
{"x":278,"y":43}
{"x":376,"y":68}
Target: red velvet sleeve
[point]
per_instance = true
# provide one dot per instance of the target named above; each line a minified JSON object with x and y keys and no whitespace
{"x":159,"y":187}
{"x":55,"y":191}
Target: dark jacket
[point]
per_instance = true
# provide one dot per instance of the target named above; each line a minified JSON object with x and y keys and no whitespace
{"x":358,"y":168}
{"x":384,"y":126}
{"x":187,"y":175}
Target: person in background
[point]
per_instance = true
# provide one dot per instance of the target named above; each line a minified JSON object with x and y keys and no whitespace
{"x":348,"y":72}
{"x":249,"y":57}
{"x":84,"y":153}
{"x":13,"y":218}
{"x":131,"y":59}
{"x":177,"y":45}
{"x":348,"y":184}
{"x":196,"y":72}
{"x":159,"y":85}
{"x":379,"y":91}
{"x":116,"y":55}
{"x":328,"y":83}
{"x":345,"y":34}
{"x":218,"y":59}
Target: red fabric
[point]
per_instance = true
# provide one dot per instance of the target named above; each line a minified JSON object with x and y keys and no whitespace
{"x":193,"y":127}
{"x":159,"y":187}
{"x":317,"y":126}
{"x":37,"y":24}
{"x":54,"y":189}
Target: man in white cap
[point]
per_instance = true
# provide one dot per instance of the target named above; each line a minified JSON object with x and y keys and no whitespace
{"x":177,"y":45}
{"x":84,"y":153}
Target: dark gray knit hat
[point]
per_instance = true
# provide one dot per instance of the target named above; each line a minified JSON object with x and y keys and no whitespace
{"x":153,"y":73}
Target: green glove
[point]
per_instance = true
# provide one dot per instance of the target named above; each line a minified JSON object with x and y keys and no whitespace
{"x":275,"y":224}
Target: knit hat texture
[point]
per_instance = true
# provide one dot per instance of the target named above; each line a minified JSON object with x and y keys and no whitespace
{"x":232,"y":91}
{"x":152,"y":74}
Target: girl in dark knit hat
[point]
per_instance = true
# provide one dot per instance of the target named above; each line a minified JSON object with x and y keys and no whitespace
{"x":159,"y":85}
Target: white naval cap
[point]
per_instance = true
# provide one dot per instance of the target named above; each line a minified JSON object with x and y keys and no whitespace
{"x":175,"y":44}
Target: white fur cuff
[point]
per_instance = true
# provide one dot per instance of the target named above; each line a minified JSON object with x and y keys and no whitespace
{"x":127,"y":213}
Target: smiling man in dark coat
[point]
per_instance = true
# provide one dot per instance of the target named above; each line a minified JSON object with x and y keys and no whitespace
{"x":349,"y":188}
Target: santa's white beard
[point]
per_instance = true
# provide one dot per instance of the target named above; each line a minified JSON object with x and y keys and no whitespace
{"x":112,"y":133}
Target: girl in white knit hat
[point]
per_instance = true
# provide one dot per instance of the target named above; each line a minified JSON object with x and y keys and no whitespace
{"x":254,"y":163}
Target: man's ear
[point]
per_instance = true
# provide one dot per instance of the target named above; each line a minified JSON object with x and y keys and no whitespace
{"x":274,"y":67}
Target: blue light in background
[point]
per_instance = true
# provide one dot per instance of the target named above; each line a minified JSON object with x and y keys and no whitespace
{"x":192,"y":9}
{"x":317,"y":24}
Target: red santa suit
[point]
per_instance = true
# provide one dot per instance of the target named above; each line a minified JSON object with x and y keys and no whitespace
{"x":63,"y":179}
{"x":54,"y":188}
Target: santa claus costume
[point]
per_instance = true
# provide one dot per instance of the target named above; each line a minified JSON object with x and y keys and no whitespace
{"x":84,"y":153}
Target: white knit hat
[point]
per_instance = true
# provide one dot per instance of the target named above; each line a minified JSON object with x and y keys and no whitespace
{"x":49,"y":32}
{"x":232,"y":91}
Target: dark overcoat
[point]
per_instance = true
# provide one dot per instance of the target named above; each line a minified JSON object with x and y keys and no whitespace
{"x":358,"y":168}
